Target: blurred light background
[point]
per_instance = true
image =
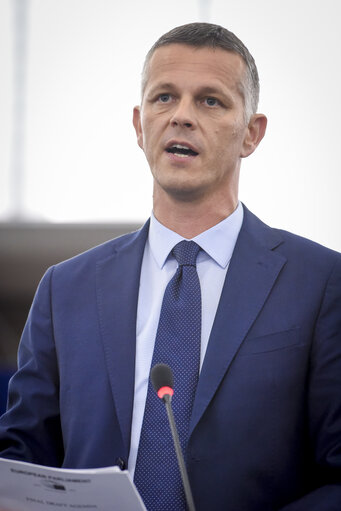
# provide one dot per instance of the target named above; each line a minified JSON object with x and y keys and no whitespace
{"x":71,"y":173}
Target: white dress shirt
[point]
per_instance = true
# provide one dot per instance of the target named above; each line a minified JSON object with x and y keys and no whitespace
{"x":158,"y":267}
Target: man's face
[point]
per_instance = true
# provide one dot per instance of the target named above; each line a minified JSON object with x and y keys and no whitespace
{"x":191,"y":123}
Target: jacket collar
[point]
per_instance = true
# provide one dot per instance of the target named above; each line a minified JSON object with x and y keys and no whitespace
{"x":117,"y":279}
{"x":253,"y":270}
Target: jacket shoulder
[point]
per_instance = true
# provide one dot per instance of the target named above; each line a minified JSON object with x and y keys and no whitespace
{"x":104,"y":250}
{"x":292,"y":246}
{"x":307,"y":250}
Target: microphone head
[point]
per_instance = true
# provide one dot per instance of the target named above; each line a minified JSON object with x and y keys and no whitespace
{"x":161,"y":377}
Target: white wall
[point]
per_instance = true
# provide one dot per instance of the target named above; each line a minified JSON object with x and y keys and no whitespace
{"x":85,"y":57}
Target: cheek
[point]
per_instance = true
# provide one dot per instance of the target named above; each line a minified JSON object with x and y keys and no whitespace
{"x":227,"y":145}
{"x":143,"y":137}
{"x":148,"y":142}
{"x":147,"y":131}
{"x":152,"y":133}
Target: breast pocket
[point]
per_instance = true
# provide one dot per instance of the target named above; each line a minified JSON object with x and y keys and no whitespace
{"x":272,"y":342}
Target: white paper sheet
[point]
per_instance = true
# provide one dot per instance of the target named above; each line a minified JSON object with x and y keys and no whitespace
{"x":28,"y":487}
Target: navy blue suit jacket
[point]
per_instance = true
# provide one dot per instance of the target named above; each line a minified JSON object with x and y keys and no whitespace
{"x":265,"y":432}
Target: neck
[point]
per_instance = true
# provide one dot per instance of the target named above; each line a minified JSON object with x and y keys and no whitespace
{"x":190,"y":218}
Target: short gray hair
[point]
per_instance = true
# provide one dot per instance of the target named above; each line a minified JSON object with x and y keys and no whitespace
{"x":207,"y":35}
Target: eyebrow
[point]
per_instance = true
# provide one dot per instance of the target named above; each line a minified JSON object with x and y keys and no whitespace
{"x":202,"y":90}
{"x":161,"y":86}
{"x":211,"y":90}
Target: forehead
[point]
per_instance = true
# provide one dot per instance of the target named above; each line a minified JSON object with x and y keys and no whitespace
{"x":193,"y":65}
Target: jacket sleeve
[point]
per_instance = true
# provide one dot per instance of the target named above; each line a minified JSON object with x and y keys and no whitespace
{"x":30,"y":429}
{"x":324,"y":404}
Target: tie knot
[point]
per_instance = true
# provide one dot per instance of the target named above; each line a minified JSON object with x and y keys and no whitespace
{"x":186,"y":253}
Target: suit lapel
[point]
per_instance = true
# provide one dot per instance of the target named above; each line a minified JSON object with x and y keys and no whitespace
{"x":118,"y":279}
{"x":253,"y":270}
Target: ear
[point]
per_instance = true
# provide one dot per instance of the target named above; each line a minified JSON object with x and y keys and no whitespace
{"x":137,"y":125}
{"x":254,"y":134}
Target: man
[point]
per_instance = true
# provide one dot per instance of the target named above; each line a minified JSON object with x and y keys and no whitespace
{"x":264,"y":431}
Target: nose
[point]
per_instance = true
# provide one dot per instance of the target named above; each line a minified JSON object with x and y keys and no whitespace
{"x":184,"y":115}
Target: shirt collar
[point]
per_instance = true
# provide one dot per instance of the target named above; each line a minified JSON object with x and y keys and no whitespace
{"x":218,"y":241}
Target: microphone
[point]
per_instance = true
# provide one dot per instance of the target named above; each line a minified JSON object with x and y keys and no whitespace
{"x":161,"y":377}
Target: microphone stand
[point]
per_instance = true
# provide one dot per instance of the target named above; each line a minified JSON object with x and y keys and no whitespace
{"x":167,"y":398}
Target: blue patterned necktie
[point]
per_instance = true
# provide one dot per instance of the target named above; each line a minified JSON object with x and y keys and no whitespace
{"x":177,"y":344}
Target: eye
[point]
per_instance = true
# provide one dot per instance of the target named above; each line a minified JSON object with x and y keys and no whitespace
{"x":164,"y":98}
{"x":211,"y":101}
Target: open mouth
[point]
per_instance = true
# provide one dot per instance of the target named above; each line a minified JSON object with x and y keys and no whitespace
{"x":181,"y":150}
